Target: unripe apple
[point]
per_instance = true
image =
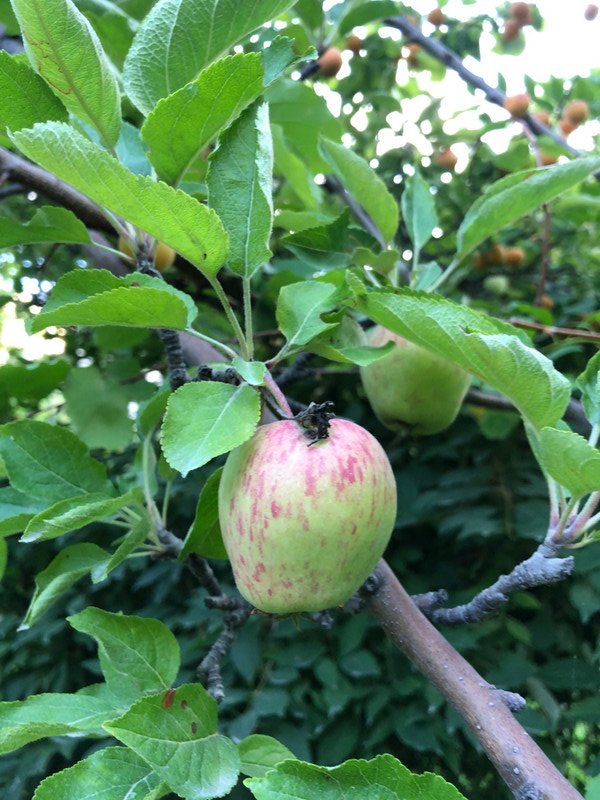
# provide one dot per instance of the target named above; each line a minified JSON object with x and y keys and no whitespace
{"x":125,"y":247}
{"x":164,"y":256}
{"x":517,"y":104}
{"x":436,"y":17}
{"x":330,"y":62}
{"x":412,"y":386}
{"x":543,"y":117}
{"x":521,"y":12}
{"x":497,"y":284}
{"x":514,"y":256}
{"x":576,"y":111}
{"x":305,"y":524}
{"x":567,"y":126}
{"x":496,"y":254}
{"x":354,"y":43}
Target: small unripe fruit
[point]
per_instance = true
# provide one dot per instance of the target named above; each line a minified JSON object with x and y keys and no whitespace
{"x":591,"y":12}
{"x":567,"y":126}
{"x":521,"y":12}
{"x":446,"y":159}
{"x":304,"y":526}
{"x":576,"y":111}
{"x":543,"y":117}
{"x":164,"y":256}
{"x":412,"y":59}
{"x":479,"y":262}
{"x":497,"y":284}
{"x":436,"y":17}
{"x":511,"y":30}
{"x":514,"y":256}
{"x":517,"y":104}
{"x":412,"y":386}
{"x":354,"y":43}
{"x":496,"y":254}
{"x":547,"y":159}
{"x":330,"y":62}
{"x":547,"y":302}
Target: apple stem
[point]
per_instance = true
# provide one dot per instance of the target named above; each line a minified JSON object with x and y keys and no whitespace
{"x":278,"y":395}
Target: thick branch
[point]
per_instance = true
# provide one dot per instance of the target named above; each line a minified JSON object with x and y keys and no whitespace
{"x":451,"y":59}
{"x":525,"y":769}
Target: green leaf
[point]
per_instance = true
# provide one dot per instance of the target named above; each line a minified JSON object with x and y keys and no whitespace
{"x":294,"y":170}
{"x":206,"y":419}
{"x":3,"y":557}
{"x":179,"y":38}
{"x":48,"y":224}
{"x":98,"y":408}
{"x":516,"y":195}
{"x":16,"y":509}
{"x":176,"y":735}
{"x":204,"y":536}
{"x":490,"y":349}
{"x":29,"y":383}
{"x":260,"y":753}
{"x":240,"y":188}
{"x":66,"y":52}
{"x":589,"y":385}
{"x":69,"y":566}
{"x":151,"y":411}
{"x":346,"y":344}
{"x":324,"y":246}
{"x":42,"y":715}
{"x":49,"y":460}
{"x":299,"y":309}
{"x":73,"y":513}
{"x":253,"y":372}
{"x":114,"y":773}
{"x":132,"y":540}
{"x":95,"y":297}
{"x":303,"y":117}
{"x":384,"y":778}
{"x":168,"y":214}
{"x":137,"y":655}
{"x":570,"y":460}
{"x":367,"y":12}
{"x":418,"y":211}
{"x":364,"y":185}
{"x":592,"y":789}
{"x":24,"y":97}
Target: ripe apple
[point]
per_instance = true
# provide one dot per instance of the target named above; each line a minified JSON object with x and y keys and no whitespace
{"x":354,"y":43}
{"x":576,"y":111}
{"x":412,"y":386}
{"x":330,"y":62}
{"x":511,"y":30}
{"x":514,"y":256}
{"x":567,"y":126}
{"x":436,"y":17}
{"x":517,"y":104}
{"x":521,"y":12}
{"x":305,"y":524}
{"x":446,"y":159}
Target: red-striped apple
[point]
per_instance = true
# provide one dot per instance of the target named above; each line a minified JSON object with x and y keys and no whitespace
{"x":305,"y":524}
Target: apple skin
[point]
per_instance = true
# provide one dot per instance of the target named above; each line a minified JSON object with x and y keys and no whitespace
{"x":304,"y":526}
{"x":412,"y":386}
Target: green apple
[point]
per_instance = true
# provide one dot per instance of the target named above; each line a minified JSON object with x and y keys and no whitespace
{"x":412,"y":387}
{"x":304,"y":525}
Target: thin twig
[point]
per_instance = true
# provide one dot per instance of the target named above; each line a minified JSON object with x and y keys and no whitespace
{"x":333,"y":185}
{"x":552,"y":330}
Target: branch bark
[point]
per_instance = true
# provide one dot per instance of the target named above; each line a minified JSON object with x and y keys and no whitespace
{"x":526,"y":770}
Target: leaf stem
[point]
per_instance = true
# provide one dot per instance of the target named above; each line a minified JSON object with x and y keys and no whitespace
{"x":165,"y":505}
{"x":216,"y":344}
{"x":277,"y":394}
{"x":233,"y":320}
{"x":450,"y":269}
{"x":248,"y":317}
{"x":155,"y":520}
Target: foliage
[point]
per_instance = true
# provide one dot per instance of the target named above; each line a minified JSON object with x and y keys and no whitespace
{"x":191,"y":123}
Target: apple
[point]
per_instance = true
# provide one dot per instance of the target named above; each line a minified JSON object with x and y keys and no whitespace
{"x":521,"y":12}
{"x":543,"y":117}
{"x":446,"y":159}
{"x":164,"y":256}
{"x":576,"y":111}
{"x":591,"y":12}
{"x":354,"y":43}
{"x":514,"y":256}
{"x":511,"y":30}
{"x":567,"y":126}
{"x":412,"y":386}
{"x":517,"y":104}
{"x":436,"y":17}
{"x":304,"y":524}
{"x":330,"y":62}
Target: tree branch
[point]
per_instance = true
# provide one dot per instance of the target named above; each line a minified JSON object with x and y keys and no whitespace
{"x":525,"y":769}
{"x":333,"y":185}
{"x":494,"y":95}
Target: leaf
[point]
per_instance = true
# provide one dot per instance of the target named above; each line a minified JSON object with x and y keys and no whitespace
{"x":260,"y":753}
{"x":589,"y":385}
{"x":516,"y":195}
{"x":132,"y":540}
{"x":151,"y":411}
{"x":204,"y":536}
{"x":294,"y":170}
{"x":418,"y":211}
{"x":114,"y":773}
{"x":253,"y":372}
{"x":66,"y":52}
{"x":488,"y":348}
{"x":98,"y":408}
{"x":16,"y":509}
{"x":138,"y":655}
{"x":346,"y":344}
{"x":240,"y":188}
{"x":384,"y":778}
{"x":366,"y":12}
{"x":570,"y":460}
{"x":179,"y":38}
{"x":95,"y":297}
{"x":24,"y":97}
{"x":205,"y":420}
{"x":324,"y":246}
{"x":168,"y":214}
{"x":73,"y":513}
{"x":69,"y":566}
{"x":183,"y":123}
{"x":29,"y":383}
{"x":48,"y":224}
{"x":299,"y":309}
{"x":42,"y":715}
{"x":50,"y":460}
{"x":364,"y":185}
{"x":180,"y":742}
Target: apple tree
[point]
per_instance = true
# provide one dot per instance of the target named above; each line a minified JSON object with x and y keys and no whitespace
{"x":300,"y":404}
